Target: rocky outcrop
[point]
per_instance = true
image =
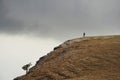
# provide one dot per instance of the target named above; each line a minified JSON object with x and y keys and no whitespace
{"x":89,"y":58}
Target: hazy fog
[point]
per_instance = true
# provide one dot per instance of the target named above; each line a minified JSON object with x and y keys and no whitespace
{"x":31,"y":28}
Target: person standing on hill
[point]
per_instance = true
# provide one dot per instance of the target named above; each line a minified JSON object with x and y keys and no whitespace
{"x":84,"y":34}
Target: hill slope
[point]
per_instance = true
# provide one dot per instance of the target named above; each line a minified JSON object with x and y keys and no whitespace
{"x":89,"y":58}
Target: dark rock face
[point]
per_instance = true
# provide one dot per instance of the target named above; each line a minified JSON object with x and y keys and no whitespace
{"x":89,"y":58}
{"x":18,"y":78}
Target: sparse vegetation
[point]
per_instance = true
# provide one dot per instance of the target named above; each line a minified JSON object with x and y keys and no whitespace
{"x":26,"y":67}
{"x":88,"y":58}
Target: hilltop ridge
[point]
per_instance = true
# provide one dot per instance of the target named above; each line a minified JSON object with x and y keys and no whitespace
{"x":89,"y":58}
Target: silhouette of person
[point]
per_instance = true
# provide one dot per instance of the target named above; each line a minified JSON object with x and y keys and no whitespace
{"x":84,"y":34}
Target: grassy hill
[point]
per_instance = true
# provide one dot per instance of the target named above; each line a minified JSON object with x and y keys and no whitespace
{"x":89,"y":58}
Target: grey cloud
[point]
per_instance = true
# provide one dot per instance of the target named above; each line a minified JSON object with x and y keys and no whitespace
{"x":60,"y":18}
{"x":8,"y":25}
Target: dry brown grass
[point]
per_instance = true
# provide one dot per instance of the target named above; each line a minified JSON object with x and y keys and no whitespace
{"x":90,"y":58}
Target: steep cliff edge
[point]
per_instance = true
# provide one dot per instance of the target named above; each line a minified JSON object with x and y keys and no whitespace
{"x":89,"y":58}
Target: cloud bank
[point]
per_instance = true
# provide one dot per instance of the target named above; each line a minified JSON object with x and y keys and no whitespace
{"x":60,"y":18}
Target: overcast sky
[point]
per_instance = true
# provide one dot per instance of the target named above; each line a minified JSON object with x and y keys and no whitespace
{"x":52,"y":22}
{"x":60,"y":18}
